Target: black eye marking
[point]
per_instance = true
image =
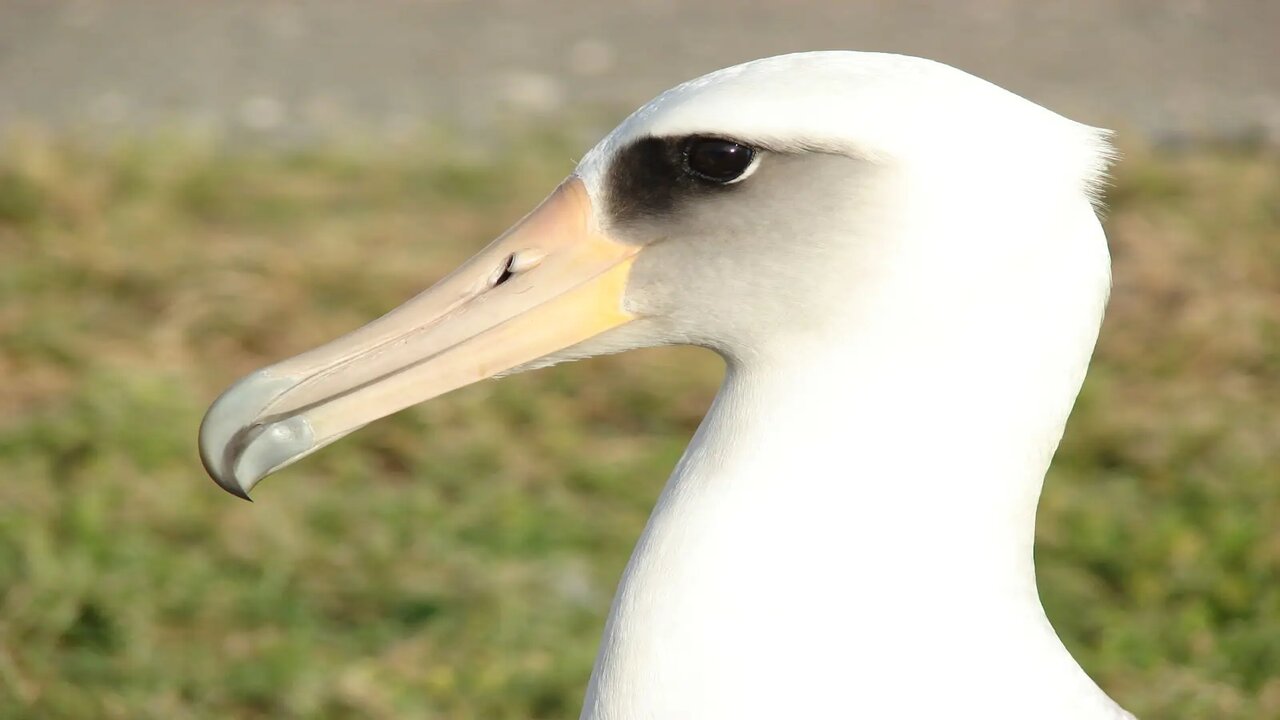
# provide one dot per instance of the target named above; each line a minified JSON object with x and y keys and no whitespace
{"x":653,"y":176}
{"x":717,"y":160}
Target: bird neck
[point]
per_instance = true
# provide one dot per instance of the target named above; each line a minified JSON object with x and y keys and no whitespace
{"x":852,"y":526}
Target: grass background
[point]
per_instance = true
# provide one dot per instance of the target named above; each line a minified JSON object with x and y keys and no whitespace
{"x":456,"y":561}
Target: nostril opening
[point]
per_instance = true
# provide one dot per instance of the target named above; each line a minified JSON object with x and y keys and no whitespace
{"x":506,"y":272}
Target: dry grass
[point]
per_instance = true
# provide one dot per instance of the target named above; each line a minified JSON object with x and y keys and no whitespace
{"x":470,"y":580}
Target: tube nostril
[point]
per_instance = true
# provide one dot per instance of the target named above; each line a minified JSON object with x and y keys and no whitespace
{"x":516,"y":263}
{"x":506,"y":272}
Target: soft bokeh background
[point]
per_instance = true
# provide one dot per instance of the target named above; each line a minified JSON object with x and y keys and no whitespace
{"x":191,"y":190}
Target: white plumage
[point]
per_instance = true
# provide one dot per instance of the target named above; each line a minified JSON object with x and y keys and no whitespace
{"x":906,"y":285}
{"x":850,"y":532}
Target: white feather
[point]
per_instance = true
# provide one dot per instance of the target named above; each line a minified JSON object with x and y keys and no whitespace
{"x":850,"y":532}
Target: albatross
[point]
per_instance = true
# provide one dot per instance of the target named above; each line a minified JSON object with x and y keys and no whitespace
{"x":904,"y":271}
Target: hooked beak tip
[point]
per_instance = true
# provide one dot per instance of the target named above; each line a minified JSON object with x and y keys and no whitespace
{"x":238,"y":450}
{"x":235,"y":489}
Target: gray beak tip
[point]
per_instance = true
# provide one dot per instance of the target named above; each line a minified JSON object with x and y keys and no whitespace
{"x":238,"y":447}
{"x":235,"y":489}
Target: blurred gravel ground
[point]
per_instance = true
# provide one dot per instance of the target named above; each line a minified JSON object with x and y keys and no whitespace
{"x":1168,"y":68}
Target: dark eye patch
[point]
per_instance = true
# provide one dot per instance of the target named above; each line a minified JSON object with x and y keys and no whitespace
{"x":652,"y":177}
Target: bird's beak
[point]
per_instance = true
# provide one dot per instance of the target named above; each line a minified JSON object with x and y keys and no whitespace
{"x":550,"y":282}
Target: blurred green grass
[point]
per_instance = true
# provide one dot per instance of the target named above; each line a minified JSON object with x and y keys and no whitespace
{"x":456,"y":561}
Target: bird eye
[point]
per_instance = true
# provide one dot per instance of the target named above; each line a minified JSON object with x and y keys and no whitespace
{"x":716,"y":160}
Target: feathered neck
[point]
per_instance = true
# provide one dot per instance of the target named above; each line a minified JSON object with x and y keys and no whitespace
{"x":850,"y":532}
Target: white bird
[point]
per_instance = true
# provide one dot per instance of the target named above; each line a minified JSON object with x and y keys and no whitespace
{"x":902,"y":267}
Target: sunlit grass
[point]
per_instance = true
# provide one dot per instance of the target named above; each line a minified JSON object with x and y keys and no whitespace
{"x":457,"y":560}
